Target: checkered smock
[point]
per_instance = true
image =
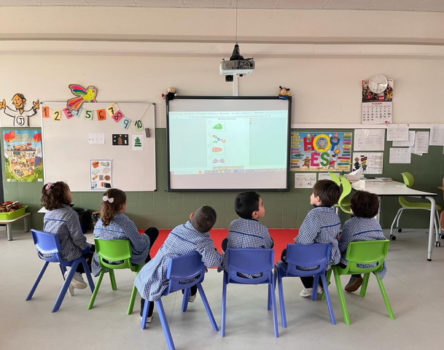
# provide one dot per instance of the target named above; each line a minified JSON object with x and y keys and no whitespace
{"x":64,"y":223}
{"x":151,"y":281}
{"x":245,"y":233}
{"x":361,"y":229}
{"x":321,"y":225}
{"x":122,"y":228}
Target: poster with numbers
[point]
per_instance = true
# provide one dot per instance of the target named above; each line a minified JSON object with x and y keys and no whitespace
{"x":377,"y":108}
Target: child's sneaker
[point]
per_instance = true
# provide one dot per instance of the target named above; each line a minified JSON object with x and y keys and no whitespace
{"x":149,"y":319}
{"x":70,"y":287}
{"x":354,"y":284}
{"x":306,"y":292}
{"x":192,"y":298}
{"x":78,"y":282}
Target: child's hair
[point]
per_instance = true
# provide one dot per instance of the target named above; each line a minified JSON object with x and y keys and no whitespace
{"x":364,"y":204}
{"x":204,"y":219}
{"x":112,"y":202}
{"x":55,"y":195}
{"x":246,"y":203}
{"x":327,"y":191}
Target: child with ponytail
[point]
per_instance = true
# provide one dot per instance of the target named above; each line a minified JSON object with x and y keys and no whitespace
{"x":114,"y":224}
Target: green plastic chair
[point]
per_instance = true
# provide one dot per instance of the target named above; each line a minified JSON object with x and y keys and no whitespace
{"x":343,"y":202}
{"x":335,"y":178}
{"x":406,"y":204}
{"x":114,"y":251}
{"x":363,"y":252}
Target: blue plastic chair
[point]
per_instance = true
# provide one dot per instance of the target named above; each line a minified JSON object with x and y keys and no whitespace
{"x":317,"y":254}
{"x":48,"y":249}
{"x":250,"y":261}
{"x":183,"y":272}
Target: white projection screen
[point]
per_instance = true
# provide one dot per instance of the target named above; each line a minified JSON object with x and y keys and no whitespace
{"x":228,"y":143}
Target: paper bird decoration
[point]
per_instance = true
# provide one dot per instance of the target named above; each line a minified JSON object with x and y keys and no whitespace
{"x":82,"y":95}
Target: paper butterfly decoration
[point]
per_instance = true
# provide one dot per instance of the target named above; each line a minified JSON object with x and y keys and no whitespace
{"x":222,"y":160}
{"x":82,"y":95}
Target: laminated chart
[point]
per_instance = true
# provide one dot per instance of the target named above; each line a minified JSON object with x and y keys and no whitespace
{"x":320,"y":151}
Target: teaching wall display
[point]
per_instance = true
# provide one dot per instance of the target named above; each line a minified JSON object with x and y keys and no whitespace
{"x":101,"y":145}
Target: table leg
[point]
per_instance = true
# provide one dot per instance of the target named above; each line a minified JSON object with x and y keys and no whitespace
{"x":431,"y":227}
{"x":9,"y":232}
{"x":378,"y":216}
{"x":27,"y":219}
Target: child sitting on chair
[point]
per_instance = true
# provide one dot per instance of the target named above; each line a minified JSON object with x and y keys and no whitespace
{"x":151,"y":281}
{"x":247,"y":232}
{"x":63,"y":221}
{"x":362,"y":227}
{"x":114,"y":224}
{"x":321,"y":225}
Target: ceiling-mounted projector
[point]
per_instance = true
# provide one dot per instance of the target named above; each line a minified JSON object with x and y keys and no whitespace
{"x":237,"y":65}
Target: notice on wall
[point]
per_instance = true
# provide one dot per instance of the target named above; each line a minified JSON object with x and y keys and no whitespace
{"x":409,"y":143}
{"x":320,"y":151}
{"x":306,"y":180}
{"x":96,"y":138}
{"x":101,"y":174}
{"x":397,"y":132}
{"x":326,"y":176}
{"x":400,"y":156}
{"x":421,"y":142}
{"x":437,"y":135}
{"x":369,"y":140}
{"x":368,"y":162}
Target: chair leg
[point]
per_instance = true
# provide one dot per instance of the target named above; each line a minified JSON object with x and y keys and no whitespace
{"x":394,"y":220}
{"x":132,"y":300}
{"x":328,"y":281}
{"x":113,"y":279}
{"x":436,"y":229}
{"x":88,"y":276}
{"x":63,"y":270}
{"x":384,"y":295}
{"x":65,"y":286}
{"x":327,"y":296}
{"x":165,"y":327}
{"x":364,"y":285}
{"x":96,"y":290}
{"x":186,"y":296}
{"x":314,"y":290}
{"x":399,"y":217}
{"x":207,"y":307}
{"x":144,"y":314}
{"x":273,"y":302}
{"x":341,"y":295}
{"x":37,"y":281}
{"x":281,"y":299}
{"x":224,"y":304}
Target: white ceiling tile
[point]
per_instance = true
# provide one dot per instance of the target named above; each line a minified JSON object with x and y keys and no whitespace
{"x":395,"y":5}
{"x":160,"y":3}
{"x":18,"y":3}
{"x":302,"y":4}
{"x":431,"y":6}
{"x":208,"y":3}
{"x":348,"y":4}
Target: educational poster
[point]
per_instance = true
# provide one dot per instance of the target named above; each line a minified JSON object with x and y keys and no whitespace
{"x":369,"y":162}
{"x":369,"y":140}
{"x":320,"y":151}
{"x":400,"y":156}
{"x":306,"y":180}
{"x":23,"y":155}
{"x":377,"y":108}
{"x":101,"y":174}
{"x":326,"y":176}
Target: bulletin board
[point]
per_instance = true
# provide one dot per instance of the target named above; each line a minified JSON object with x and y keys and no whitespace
{"x":82,"y":151}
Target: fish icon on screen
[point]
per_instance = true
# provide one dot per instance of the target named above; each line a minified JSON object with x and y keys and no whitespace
{"x":221,"y":160}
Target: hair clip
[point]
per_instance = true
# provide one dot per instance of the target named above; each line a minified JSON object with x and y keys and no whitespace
{"x":49,"y":186}
{"x":106,"y":198}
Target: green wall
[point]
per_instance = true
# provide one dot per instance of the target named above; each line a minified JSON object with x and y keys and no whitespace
{"x":283,"y":210}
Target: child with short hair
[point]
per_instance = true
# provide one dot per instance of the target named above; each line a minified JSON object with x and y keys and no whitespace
{"x":247,"y":232}
{"x":63,"y":221}
{"x":321,"y":225}
{"x":114,"y":224}
{"x":151,"y":281}
{"x":361,"y":227}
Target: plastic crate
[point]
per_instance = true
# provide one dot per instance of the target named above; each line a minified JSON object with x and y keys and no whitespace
{"x":13,"y":215}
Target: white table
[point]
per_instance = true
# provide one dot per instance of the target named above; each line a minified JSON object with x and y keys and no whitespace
{"x":8,"y":223}
{"x":396,"y":189}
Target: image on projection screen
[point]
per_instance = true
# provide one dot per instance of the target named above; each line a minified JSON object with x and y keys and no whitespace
{"x":228,"y":144}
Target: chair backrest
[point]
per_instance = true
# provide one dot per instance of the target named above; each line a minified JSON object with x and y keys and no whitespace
{"x":185,"y":271}
{"x":408,"y":179}
{"x":317,"y":254}
{"x":335,"y":178}
{"x":113,"y":251}
{"x":47,"y":245}
{"x":366,"y":253}
{"x":250,"y":261}
{"x":346,"y":190}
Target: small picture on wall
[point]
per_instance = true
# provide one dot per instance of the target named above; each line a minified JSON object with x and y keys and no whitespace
{"x":120,"y":140}
{"x":101,"y":174}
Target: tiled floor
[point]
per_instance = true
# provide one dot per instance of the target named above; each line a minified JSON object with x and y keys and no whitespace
{"x":415,"y":288}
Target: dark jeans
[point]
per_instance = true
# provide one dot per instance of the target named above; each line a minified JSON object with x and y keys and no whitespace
{"x":88,"y":257}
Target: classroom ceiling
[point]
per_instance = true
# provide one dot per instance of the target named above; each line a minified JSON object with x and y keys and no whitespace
{"x":372,"y":5}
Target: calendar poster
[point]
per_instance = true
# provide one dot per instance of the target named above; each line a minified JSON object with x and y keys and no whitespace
{"x":377,"y":108}
{"x":320,"y":151}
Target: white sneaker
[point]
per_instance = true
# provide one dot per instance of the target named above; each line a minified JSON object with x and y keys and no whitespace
{"x":78,"y":282}
{"x":306,"y":292}
{"x":192,"y":298}
{"x":149,"y":319}
{"x":70,"y":287}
